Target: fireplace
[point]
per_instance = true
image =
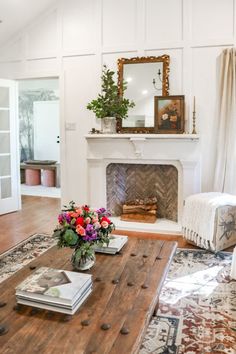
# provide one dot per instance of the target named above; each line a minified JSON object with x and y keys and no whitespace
{"x":126,"y":165}
{"x":127,"y":182}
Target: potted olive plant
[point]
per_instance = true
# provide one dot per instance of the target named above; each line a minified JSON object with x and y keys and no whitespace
{"x":110,"y":104}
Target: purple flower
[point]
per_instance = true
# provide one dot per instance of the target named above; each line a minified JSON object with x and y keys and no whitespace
{"x":90,"y":233}
{"x":103,"y":212}
{"x":64,"y":217}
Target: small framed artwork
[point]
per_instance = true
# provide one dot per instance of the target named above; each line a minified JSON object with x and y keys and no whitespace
{"x":169,"y":114}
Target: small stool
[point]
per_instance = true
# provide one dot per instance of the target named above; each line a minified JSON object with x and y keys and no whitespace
{"x":32,"y":177}
{"x":48,"y":178}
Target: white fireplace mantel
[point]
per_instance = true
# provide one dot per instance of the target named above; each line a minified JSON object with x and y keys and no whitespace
{"x":138,"y":140}
{"x":179,"y":150}
{"x":146,"y":136}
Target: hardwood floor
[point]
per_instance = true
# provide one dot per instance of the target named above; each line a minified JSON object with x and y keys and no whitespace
{"x":39,"y":215}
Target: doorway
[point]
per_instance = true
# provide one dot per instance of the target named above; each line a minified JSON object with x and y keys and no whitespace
{"x":39,"y":137}
{"x":9,"y":174}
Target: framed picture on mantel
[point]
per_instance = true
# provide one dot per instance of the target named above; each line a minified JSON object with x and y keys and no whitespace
{"x":169,"y":114}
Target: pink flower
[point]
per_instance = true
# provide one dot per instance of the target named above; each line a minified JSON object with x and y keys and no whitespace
{"x":80,"y":230}
{"x":104,"y":224}
{"x":79,"y":211}
{"x":87,"y":220}
{"x":97,"y":225}
{"x":73,"y":214}
{"x":94,"y":220}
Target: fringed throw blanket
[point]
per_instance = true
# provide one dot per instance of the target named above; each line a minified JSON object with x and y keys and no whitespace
{"x":199,"y":217}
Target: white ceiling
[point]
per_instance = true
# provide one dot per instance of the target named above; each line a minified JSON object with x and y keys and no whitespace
{"x":17,"y":14}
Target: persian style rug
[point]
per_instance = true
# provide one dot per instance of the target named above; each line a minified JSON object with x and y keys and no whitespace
{"x":197,"y":312}
{"x":17,"y":257}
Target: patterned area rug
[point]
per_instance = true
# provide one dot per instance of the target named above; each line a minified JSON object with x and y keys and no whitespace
{"x":17,"y":257}
{"x":197,"y":313}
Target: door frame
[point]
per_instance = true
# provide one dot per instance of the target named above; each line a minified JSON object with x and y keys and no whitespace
{"x":14,"y":144}
{"x":60,"y":77}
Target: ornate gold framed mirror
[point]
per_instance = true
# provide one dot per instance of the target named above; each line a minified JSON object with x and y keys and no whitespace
{"x":146,"y":77}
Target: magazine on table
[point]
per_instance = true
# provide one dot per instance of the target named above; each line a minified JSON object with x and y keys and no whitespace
{"x":62,"y":309}
{"x":54,"y":286}
{"x":114,"y":246}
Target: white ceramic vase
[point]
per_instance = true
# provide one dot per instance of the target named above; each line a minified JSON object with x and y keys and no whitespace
{"x":108,"y":125}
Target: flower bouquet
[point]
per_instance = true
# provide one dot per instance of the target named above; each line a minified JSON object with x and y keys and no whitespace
{"x":80,"y":228}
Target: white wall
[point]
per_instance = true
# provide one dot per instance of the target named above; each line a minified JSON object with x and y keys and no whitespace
{"x":76,"y":38}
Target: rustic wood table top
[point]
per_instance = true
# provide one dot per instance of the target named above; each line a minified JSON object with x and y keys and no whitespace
{"x":126,"y":288}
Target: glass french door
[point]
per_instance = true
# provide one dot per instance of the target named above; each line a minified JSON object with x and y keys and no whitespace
{"x":9,"y":148}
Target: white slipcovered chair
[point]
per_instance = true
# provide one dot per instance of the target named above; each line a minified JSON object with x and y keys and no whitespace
{"x":209,"y":220}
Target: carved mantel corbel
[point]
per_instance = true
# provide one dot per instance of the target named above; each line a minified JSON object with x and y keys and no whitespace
{"x":138,"y":144}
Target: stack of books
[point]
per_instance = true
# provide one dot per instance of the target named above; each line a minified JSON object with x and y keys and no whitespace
{"x":114,"y":246}
{"x":55,"y":290}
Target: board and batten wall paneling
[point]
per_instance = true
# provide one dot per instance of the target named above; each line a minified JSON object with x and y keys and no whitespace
{"x":13,"y":51}
{"x":80,"y":86}
{"x":119,"y":24}
{"x":79,"y":32}
{"x":75,"y":37}
{"x":212,"y":19}
{"x":47,"y":67}
{"x":42,"y":38}
{"x":11,"y":69}
{"x":164,"y":22}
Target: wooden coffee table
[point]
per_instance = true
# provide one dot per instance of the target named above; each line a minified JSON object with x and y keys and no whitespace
{"x":125,"y":294}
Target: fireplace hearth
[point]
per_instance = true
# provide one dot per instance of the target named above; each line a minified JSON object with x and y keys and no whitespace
{"x":128,"y":182}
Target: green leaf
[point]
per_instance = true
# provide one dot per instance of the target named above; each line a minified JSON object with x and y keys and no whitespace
{"x":78,"y":254}
{"x":56,"y":233}
{"x":110,"y":103}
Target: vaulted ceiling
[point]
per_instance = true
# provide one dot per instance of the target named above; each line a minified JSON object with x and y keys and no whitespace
{"x":17,"y":14}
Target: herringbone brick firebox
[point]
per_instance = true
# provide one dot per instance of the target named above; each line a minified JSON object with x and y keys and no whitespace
{"x":127,"y":182}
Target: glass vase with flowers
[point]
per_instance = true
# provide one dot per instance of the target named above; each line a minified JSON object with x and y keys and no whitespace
{"x":80,"y":228}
